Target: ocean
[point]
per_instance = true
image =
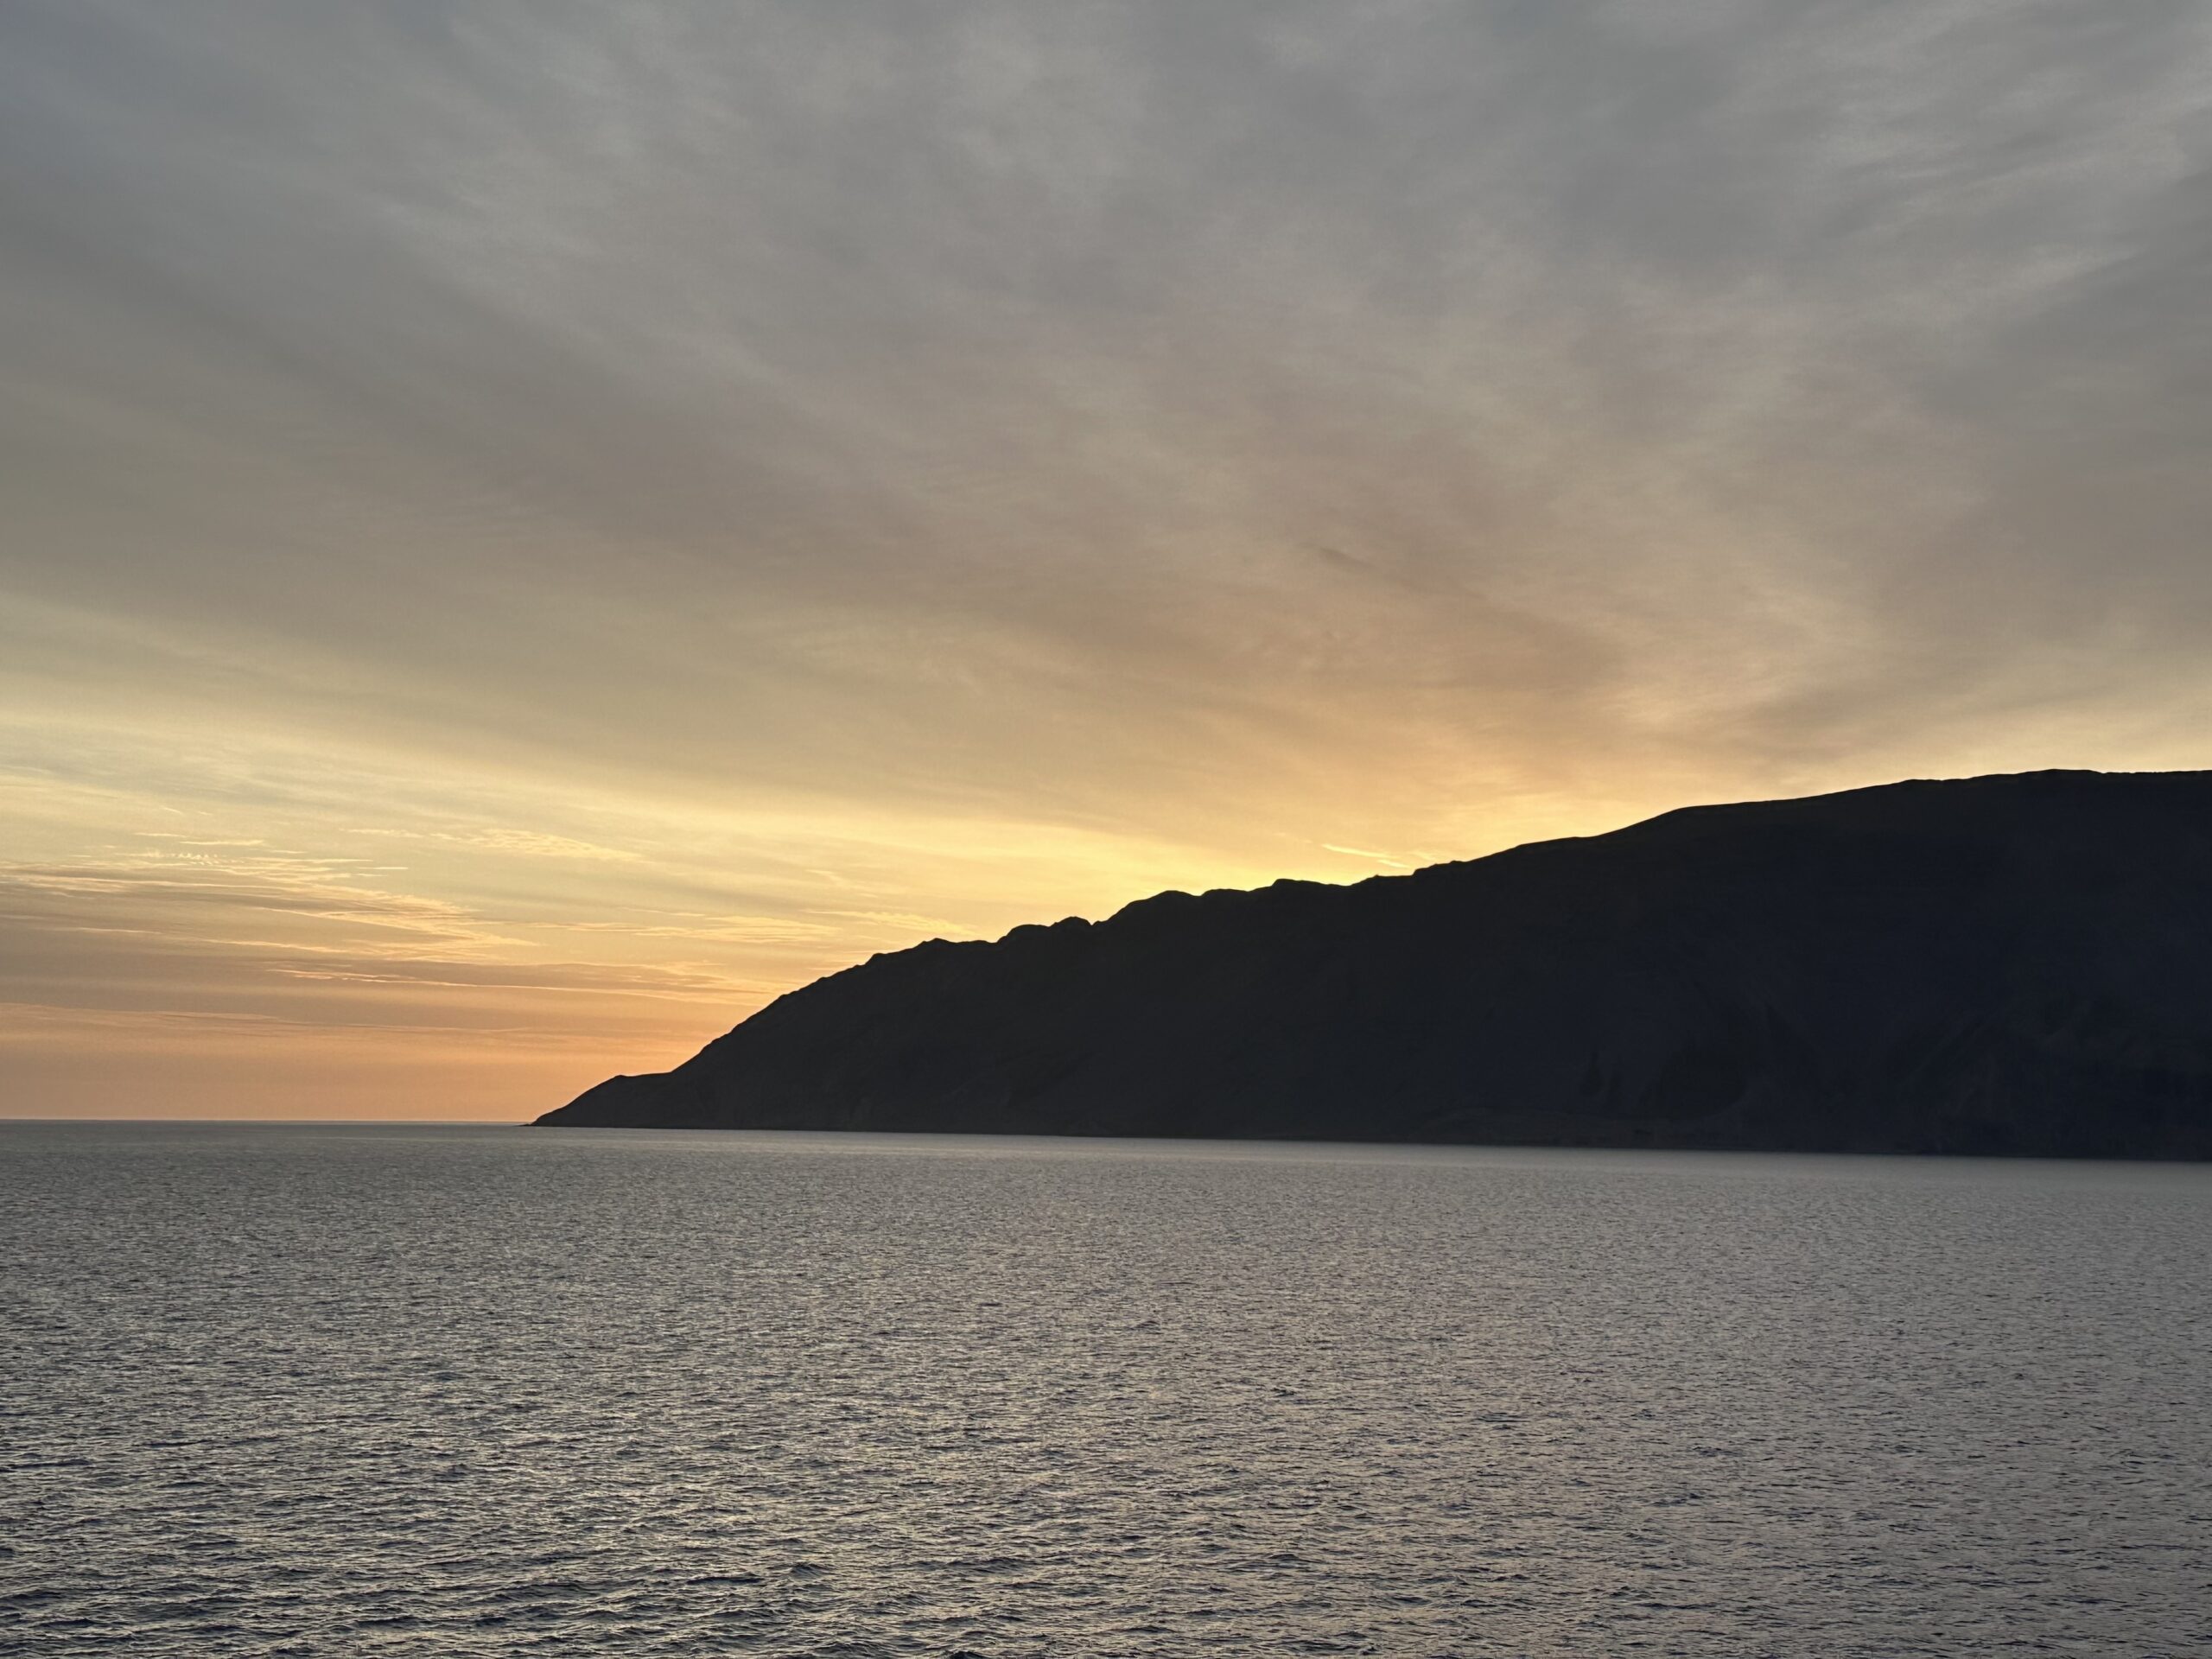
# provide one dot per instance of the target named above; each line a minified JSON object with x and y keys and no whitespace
{"x":337,"y":1390}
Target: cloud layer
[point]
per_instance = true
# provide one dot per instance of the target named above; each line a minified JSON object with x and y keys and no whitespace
{"x":532,"y":526}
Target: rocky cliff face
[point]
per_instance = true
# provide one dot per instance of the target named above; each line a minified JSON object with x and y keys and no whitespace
{"x":2012,"y":965}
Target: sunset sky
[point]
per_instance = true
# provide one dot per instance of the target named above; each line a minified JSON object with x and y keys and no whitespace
{"x":528,"y":528}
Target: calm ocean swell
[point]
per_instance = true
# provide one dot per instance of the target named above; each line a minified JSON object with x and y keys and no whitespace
{"x":343,"y":1390}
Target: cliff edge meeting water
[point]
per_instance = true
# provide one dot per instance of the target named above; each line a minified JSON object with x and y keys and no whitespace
{"x":1105,"y":829}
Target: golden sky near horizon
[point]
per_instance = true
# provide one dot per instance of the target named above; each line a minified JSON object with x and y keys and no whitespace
{"x":530,"y":528}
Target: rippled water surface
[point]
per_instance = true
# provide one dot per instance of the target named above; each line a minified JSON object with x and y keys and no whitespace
{"x":342,"y":1390}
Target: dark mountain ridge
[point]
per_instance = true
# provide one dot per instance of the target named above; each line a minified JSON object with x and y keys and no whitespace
{"x":2017,"y":964}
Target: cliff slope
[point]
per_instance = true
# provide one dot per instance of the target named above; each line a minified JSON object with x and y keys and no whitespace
{"x":2012,"y":964}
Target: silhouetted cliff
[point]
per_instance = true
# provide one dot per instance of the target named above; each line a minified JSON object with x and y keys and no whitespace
{"x":2011,"y":964}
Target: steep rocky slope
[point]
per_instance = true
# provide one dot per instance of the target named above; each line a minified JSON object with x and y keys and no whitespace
{"x":2011,"y":964}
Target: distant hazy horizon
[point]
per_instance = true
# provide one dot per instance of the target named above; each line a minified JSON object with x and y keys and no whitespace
{"x":533,"y":527}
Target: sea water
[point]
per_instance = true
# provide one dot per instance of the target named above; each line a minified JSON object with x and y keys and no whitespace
{"x":360,"y":1390}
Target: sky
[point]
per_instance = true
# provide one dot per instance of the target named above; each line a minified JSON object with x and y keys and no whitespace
{"x":529,"y":528}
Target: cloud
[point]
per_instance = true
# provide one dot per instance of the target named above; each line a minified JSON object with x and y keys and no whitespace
{"x":651,"y":470}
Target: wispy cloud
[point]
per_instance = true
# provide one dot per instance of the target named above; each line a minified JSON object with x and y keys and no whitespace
{"x":766,"y":482}
{"x":1371,"y":857}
